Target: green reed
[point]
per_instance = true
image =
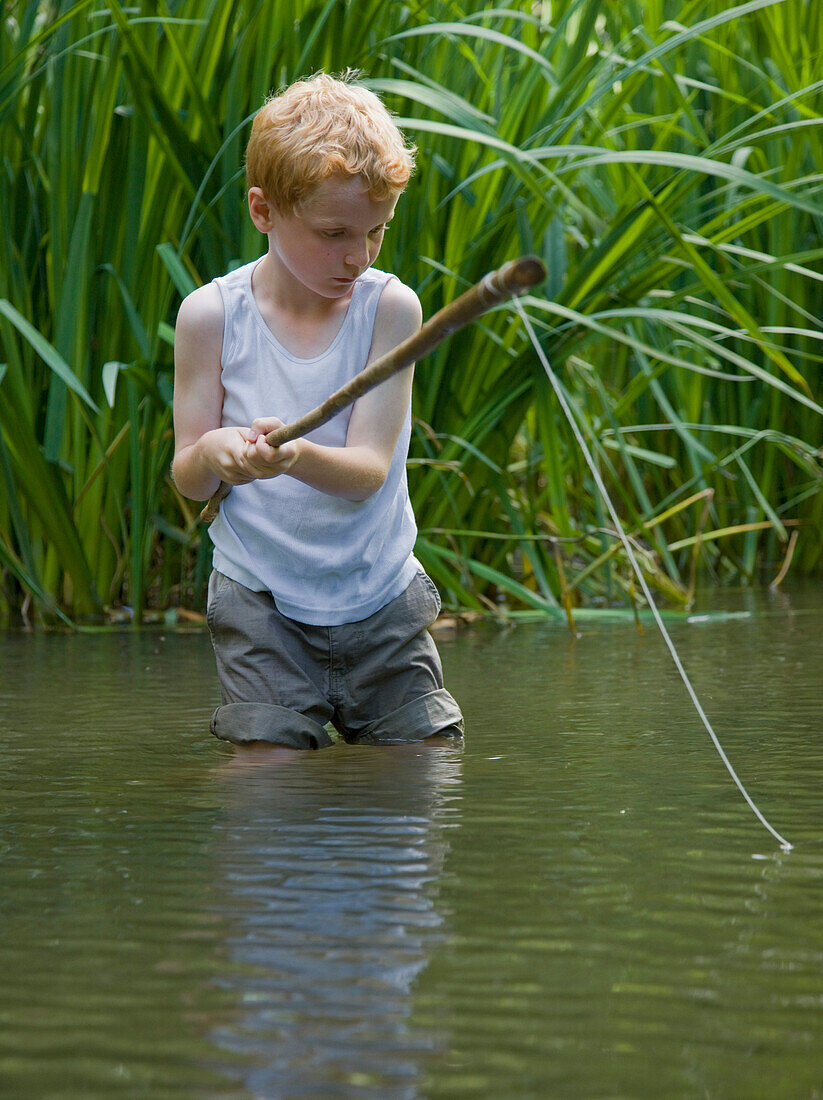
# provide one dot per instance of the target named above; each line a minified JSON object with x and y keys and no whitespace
{"x":664,"y":159}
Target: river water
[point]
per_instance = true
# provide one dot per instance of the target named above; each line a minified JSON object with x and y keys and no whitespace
{"x":578,"y":903}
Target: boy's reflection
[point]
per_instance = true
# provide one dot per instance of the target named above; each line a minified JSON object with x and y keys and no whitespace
{"x":330,"y":866}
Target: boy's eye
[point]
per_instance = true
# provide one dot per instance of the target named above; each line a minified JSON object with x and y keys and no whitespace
{"x":332,"y":233}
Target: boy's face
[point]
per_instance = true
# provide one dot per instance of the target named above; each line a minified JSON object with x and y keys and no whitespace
{"x":333,"y":237}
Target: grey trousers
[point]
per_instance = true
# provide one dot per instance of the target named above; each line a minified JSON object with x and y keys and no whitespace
{"x":378,"y":681}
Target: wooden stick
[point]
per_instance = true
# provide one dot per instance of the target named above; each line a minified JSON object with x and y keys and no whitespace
{"x":511,"y":279}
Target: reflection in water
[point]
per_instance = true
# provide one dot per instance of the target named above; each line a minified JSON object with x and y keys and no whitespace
{"x":328,"y":880}
{"x":612,"y":919}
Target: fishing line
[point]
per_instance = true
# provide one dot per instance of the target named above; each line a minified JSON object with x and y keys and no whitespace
{"x":784,"y":844}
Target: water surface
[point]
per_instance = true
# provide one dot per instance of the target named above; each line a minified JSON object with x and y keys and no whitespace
{"x":577,"y":904}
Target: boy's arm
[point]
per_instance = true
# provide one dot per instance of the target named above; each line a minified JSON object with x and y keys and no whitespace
{"x":204,"y":452}
{"x":357,"y":470}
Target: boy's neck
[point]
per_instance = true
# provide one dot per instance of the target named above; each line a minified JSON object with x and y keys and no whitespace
{"x":275,"y":288}
{"x":303,"y":322}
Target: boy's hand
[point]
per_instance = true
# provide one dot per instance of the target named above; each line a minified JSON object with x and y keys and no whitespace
{"x":240,"y":455}
{"x":264,"y":460}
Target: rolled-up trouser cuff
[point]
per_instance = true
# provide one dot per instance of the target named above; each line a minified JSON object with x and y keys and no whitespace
{"x":241,"y":723}
{"x":433,"y":713}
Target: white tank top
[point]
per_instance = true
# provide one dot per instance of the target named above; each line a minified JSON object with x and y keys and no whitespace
{"x":325,"y":560}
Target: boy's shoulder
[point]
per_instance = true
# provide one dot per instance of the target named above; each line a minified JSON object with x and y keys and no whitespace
{"x":398,"y":298}
{"x":399,"y":314}
{"x":202,"y":308}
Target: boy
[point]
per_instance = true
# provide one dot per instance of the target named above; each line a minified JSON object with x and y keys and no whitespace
{"x":318,"y":610}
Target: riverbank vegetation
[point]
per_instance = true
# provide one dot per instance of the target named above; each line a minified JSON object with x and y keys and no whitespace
{"x":664,"y":159}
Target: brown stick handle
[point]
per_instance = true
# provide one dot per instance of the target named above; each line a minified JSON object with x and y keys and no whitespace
{"x":511,"y":279}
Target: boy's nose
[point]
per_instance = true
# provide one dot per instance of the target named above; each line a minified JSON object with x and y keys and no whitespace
{"x":358,"y":255}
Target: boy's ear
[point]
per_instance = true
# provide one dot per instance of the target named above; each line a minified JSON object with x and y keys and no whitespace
{"x":260,"y":210}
